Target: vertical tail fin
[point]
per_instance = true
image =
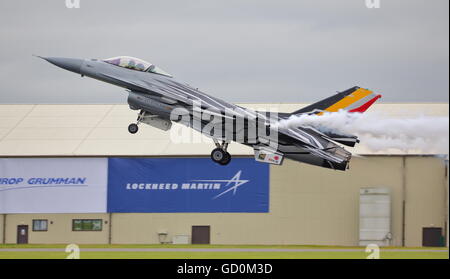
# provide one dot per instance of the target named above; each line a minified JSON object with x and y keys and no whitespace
{"x":355,"y":99}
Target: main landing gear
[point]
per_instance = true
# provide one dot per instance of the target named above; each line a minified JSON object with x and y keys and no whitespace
{"x":220,"y":154}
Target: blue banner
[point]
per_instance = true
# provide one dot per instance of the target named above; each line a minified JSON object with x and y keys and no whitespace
{"x":187,"y":185}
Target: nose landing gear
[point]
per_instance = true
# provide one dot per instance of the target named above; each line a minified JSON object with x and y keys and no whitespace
{"x":133,"y":127}
{"x":220,"y":154}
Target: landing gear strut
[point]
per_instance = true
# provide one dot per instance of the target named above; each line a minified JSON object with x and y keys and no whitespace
{"x":220,"y":154}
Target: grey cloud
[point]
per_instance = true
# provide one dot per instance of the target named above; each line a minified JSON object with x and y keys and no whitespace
{"x":242,"y":51}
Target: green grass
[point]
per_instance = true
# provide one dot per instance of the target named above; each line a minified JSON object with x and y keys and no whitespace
{"x":316,"y":254}
{"x":223,"y":255}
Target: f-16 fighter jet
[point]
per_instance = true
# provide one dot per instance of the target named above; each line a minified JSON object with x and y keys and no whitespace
{"x":161,"y":100}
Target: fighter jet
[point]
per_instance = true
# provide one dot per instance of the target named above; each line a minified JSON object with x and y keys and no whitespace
{"x":161,"y":100}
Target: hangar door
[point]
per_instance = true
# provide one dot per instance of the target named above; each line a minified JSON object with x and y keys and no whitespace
{"x":200,"y":235}
{"x":374,"y":216}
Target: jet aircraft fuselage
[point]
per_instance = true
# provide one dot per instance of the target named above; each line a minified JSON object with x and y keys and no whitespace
{"x":162,"y":100}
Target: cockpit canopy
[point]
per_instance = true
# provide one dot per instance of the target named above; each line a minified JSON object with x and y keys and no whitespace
{"x":136,"y":64}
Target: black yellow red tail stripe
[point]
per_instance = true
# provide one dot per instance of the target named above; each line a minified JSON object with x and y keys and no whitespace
{"x":355,"y":99}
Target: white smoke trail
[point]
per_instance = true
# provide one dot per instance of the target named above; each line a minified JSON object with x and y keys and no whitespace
{"x":380,"y":132}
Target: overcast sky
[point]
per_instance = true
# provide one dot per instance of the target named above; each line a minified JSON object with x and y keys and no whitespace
{"x":241,"y":51}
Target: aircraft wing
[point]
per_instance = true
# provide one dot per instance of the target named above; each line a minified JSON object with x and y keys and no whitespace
{"x":187,"y":95}
{"x":175,"y":91}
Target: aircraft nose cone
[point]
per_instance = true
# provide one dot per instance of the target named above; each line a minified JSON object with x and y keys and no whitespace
{"x":70,"y":64}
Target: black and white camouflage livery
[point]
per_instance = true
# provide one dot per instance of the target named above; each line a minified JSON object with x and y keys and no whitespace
{"x":161,"y":99}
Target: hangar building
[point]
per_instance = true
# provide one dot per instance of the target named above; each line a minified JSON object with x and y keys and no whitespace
{"x":402,"y":196}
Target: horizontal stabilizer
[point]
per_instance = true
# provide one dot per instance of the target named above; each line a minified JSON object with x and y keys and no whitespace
{"x":348,"y":140}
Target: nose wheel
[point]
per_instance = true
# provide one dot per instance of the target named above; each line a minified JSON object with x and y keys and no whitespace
{"x":133,"y":128}
{"x":220,"y":154}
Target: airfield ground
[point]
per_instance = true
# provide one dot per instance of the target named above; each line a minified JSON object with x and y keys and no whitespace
{"x":214,"y":252}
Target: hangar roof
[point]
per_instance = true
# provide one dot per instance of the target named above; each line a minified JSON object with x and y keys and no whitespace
{"x":101,"y":130}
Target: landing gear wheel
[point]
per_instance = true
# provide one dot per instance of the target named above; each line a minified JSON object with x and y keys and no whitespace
{"x":218,"y":155}
{"x":133,"y":128}
{"x":226,"y":160}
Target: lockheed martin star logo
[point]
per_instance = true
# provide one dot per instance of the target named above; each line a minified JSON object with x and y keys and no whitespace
{"x":236,"y":181}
